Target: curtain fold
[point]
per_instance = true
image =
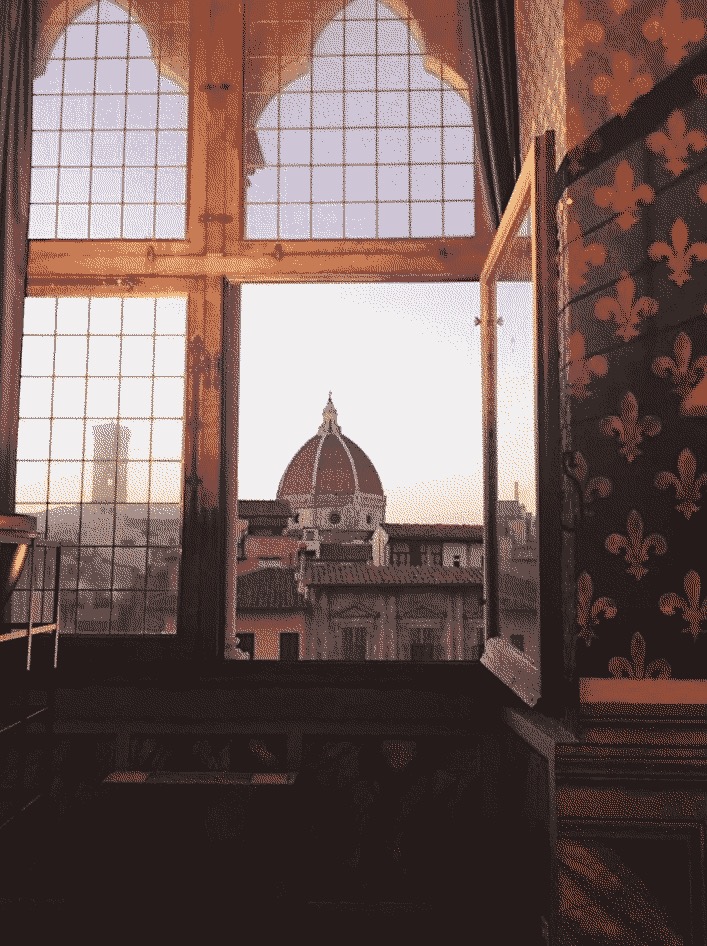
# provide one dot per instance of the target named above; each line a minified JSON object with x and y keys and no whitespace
{"x":17,"y":34}
{"x":495,"y":101}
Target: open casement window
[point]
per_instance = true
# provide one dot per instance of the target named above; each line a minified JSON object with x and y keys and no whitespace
{"x":520,"y":359}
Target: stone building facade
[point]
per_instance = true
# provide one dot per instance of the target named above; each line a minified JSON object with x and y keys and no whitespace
{"x":359,"y":612}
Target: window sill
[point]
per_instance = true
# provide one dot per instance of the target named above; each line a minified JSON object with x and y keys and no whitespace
{"x":143,"y":657}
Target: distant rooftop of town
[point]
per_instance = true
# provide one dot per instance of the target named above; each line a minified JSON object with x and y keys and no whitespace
{"x":352,"y":573}
{"x":269,"y":589}
{"x":439,"y":532}
{"x":340,"y":552}
{"x":270,"y":508}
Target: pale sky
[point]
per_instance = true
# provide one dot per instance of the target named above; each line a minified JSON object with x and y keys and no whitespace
{"x":403,"y":363}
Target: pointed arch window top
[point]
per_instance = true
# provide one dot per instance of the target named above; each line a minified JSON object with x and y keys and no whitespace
{"x":369,"y":141}
{"x":109,"y":135}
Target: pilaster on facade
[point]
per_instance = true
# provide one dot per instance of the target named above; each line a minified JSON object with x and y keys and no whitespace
{"x":391,"y":627}
{"x":458,"y":628}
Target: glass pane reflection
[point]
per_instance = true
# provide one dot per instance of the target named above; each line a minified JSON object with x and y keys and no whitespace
{"x":517,"y":488}
{"x":100,"y":473}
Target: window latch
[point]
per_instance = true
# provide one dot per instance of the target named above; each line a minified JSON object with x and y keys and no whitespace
{"x":215,"y":218}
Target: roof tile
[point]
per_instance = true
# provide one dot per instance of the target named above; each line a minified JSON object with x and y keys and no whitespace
{"x":268,"y":589}
{"x":353,"y":573}
{"x":439,"y":531}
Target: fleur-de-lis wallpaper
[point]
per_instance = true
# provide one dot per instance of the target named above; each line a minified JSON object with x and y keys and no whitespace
{"x":624,"y":195}
{"x":625,"y":309}
{"x":677,"y":142}
{"x":589,"y":487}
{"x":630,"y":428}
{"x":632,"y":230}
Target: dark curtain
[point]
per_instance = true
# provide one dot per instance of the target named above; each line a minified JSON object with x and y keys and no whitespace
{"x":17,"y":32}
{"x":495,"y":101}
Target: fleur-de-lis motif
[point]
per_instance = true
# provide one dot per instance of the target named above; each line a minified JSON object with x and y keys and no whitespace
{"x":579,"y":31}
{"x":694,"y":611}
{"x":589,"y":612}
{"x":623,"y":198}
{"x":624,"y":84}
{"x":636,"y":669}
{"x":629,"y":428}
{"x":694,"y":404}
{"x":581,"y":256}
{"x":680,"y":254}
{"x":688,"y":490}
{"x":684,"y":372}
{"x":590,"y":488}
{"x":625,"y":309}
{"x":702,"y":192}
{"x":581,"y":370}
{"x":634,"y":546}
{"x":674,"y":31}
{"x":676,"y":142}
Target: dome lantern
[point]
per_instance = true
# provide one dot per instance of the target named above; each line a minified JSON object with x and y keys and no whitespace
{"x":329,"y":423}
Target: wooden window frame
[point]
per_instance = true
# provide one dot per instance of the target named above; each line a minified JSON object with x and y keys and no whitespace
{"x":533,"y":192}
{"x":207,"y":267}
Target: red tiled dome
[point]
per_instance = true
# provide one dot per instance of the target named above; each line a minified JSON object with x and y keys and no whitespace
{"x":330,"y":464}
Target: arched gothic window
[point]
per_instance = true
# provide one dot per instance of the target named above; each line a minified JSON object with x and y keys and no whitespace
{"x":368,"y":142}
{"x":109,"y":143}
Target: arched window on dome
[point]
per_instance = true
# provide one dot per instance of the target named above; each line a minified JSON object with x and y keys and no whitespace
{"x":371,"y":141}
{"x":109,"y":142}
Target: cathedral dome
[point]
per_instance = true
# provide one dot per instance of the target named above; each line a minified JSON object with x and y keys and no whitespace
{"x":330,"y":482}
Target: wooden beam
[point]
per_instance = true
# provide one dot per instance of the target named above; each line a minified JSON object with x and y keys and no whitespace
{"x":287,"y":261}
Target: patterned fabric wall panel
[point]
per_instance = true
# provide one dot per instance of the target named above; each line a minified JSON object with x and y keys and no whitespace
{"x":635,"y":348}
{"x":617,"y":50}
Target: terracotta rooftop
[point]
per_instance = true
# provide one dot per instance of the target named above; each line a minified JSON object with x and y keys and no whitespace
{"x":329,"y":464}
{"x":343,"y":536}
{"x":352,"y":573}
{"x":441,"y":532}
{"x":345,"y":552}
{"x":270,"y":508}
{"x":268,"y":589}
